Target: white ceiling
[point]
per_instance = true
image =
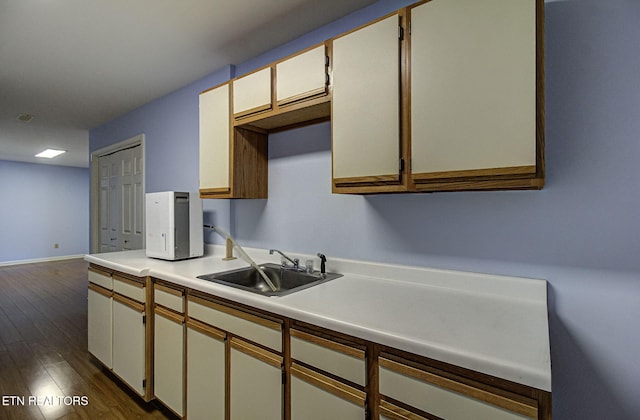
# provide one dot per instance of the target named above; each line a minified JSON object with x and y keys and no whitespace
{"x":76,"y":64}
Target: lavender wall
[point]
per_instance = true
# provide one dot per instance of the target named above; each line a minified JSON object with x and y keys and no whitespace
{"x":170,"y":125}
{"x":580,"y":232}
{"x":43,"y":205}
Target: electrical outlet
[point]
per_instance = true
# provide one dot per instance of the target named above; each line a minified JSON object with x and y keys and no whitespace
{"x":56,"y":245}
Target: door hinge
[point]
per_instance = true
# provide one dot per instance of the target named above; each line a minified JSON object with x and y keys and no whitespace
{"x":401,"y":165}
{"x":144,"y":319}
{"x":326,"y":60}
{"x":284,"y":377}
{"x":144,"y":383}
{"x":400,"y":32}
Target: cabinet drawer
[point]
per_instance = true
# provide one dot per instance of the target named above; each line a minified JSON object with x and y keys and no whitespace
{"x":169,"y":297}
{"x":100,"y":278}
{"x":133,"y":289}
{"x":339,"y":359}
{"x":252,"y":93}
{"x":252,"y":327}
{"x":448,"y":398}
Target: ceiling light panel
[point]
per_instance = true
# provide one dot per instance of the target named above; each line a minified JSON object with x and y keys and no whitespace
{"x":50,"y":153}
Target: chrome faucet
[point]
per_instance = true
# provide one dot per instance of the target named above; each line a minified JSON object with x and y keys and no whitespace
{"x":295,"y":261}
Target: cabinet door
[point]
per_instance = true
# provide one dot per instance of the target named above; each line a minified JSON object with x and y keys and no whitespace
{"x":301,"y":77}
{"x":205,"y":372}
{"x":318,"y":397}
{"x":342,"y":360}
{"x":168,"y":370}
{"x":473,"y":88}
{"x":129,"y":342}
{"x":366,"y":105}
{"x":99,"y":314}
{"x":446,"y":398}
{"x":215,"y":132}
{"x":252,"y":93}
{"x":256,"y":383}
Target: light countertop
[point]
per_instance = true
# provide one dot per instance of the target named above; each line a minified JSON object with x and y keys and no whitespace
{"x":492,"y":324}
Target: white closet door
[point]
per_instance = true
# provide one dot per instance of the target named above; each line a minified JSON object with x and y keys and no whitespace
{"x":366,"y":102}
{"x":473,"y":85}
{"x":132,"y":199}
{"x":109,"y":203}
{"x":121,"y":201}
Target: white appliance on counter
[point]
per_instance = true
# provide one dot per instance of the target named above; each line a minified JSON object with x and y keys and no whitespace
{"x":174,"y":225}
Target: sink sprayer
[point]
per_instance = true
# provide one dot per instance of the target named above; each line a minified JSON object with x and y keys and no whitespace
{"x":243,"y":255}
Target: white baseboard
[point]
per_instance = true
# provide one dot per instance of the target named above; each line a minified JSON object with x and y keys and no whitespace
{"x":38,"y":260}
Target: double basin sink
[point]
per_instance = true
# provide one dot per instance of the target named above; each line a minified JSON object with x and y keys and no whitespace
{"x":286,"y":280}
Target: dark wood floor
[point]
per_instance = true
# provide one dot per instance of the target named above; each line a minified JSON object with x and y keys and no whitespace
{"x":43,"y":350}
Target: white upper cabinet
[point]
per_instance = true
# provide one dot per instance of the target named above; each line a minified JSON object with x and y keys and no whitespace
{"x":302,"y":76}
{"x":366,"y":104}
{"x":215,"y":130}
{"x":473,"y":86}
{"x":252,"y":93}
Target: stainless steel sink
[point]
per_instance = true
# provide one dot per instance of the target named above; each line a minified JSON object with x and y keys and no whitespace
{"x":285,"y":280}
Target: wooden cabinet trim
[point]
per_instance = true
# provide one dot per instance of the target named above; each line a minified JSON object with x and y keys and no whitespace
{"x":168,"y":314}
{"x":367,"y":180}
{"x":206,"y":329}
{"x":333,"y":345}
{"x":215,"y":193}
{"x":272,"y":324}
{"x":492,"y":172}
{"x":101,"y":290}
{"x":132,"y":281}
{"x":216,"y":87}
{"x":100,"y":270}
{"x":394,"y":412}
{"x":133,"y":304}
{"x":312,"y":94}
{"x":474,"y":185}
{"x":529,"y":409}
{"x":369,"y":23}
{"x":168,"y":289}
{"x":256,"y":352}
{"x":304,"y":112}
{"x":252,"y":111}
{"x":330,"y":385}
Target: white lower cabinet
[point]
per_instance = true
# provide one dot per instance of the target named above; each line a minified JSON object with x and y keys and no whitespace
{"x":255,"y":382}
{"x":318,"y":397}
{"x":445,"y":397}
{"x":168,"y":371}
{"x":129,"y":342}
{"x":205,"y":372}
{"x":118,"y":335}
{"x":99,"y":325}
